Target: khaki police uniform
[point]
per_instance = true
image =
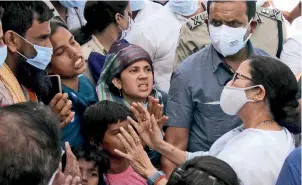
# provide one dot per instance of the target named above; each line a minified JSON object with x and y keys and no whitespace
{"x":270,"y":34}
{"x":193,"y":36}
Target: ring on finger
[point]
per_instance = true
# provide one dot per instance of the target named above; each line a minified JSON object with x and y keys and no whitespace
{"x":137,"y":141}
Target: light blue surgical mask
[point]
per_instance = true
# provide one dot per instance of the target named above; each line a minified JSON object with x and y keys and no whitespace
{"x":3,"y":54}
{"x":136,"y":5}
{"x":72,"y":3}
{"x":184,"y":7}
{"x":43,"y":57}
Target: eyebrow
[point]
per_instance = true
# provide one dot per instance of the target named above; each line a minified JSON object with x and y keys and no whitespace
{"x":71,"y":37}
{"x":44,"y":36}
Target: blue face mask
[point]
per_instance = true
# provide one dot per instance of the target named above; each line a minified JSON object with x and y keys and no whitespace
{"x":136,"y":5}
{"x":43,"y":57}
{"x":72,"y":3}
{"x":184,"y":7}
{"x":3,"y":54}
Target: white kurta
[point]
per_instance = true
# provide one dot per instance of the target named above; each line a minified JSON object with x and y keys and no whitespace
{"x":292,"y":48}
{"x":255,"y":155}
{"x":149,"y":9}
{"x":158,"y":35}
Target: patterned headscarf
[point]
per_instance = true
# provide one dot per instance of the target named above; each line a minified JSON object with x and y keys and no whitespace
{"x":119,"y":57}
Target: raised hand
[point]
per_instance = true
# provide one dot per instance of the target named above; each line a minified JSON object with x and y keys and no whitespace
{"x":136,"y":154}
{"x":62,"y":106}
{"x":148,"y":130}
{"x":72,"y":166}
{"x":157,"y":109}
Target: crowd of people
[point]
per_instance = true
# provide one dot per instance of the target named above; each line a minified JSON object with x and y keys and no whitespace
{"x":142,"y":92}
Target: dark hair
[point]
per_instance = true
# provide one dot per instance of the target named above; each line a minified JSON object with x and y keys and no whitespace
{"x":205,"y":170}
{"x":93,"y":154}
{"x":99,"y":15}
{"x":19,"y":15}
{"x":99,"y":116}
{"x":55,"y":23}
{"x":250,"y":7}
{"x":30,"y":144}
{"x":281,"y":88}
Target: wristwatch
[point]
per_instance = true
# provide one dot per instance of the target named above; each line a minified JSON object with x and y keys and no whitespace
{"x":157,"y":175}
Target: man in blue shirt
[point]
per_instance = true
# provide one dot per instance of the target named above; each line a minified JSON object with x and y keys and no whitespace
{"x":291,"y":171}
{"x":196,"y":120}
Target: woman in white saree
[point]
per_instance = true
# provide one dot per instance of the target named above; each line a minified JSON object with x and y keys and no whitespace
{"x":262,"y":93}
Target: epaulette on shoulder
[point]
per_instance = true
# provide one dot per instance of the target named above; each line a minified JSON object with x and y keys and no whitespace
{"x":270,"y":13}
{"x":197,"y":20}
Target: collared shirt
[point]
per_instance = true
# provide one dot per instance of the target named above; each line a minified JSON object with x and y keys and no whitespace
{"x":75,"y":17}
{"x":92,"y":46}
{"x":291,"y":171}
{"x":195,"y":85}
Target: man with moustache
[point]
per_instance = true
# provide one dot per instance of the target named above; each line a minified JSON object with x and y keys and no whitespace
{"x":26,"y":30}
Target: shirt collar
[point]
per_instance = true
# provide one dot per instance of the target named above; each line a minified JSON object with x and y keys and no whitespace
{"x":217,"y":58}
{"x":99,"y":45}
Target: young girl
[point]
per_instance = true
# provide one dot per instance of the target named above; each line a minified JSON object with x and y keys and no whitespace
{"x":102,"y":122}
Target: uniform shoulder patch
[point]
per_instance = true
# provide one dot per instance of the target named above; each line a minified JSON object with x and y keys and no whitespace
{"x":197,"y":20}
{"x":270,"y":13}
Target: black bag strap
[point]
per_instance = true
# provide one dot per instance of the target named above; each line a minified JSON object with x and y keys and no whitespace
{"x":280,"y":38}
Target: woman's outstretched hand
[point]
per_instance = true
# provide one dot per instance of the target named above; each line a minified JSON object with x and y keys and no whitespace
{"x":146,"y":125}
{"x":136,"y":154}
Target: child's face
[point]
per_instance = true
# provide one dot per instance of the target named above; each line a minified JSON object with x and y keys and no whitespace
{"x":111,"y":141}
{"x":90,"y":172}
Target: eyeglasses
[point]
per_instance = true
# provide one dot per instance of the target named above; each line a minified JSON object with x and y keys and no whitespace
{"x":235,"y":77}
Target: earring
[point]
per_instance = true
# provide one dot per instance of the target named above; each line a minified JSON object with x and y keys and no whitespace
{"x":120,"y":92}
{"x":256,"y":97}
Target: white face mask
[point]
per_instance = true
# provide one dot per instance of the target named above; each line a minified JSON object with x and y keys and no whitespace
{"x":232,"y":99}
{"x":125,"y":32}
{"x":227,"y":40}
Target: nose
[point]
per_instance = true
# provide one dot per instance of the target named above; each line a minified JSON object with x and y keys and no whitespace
{"x":74,"y":53}
{"x":84,"y":177}
{"x":48,"y":44}
{"x":143,"y":75}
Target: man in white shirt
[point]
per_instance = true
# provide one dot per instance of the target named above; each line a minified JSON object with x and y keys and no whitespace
{"x":71,"y":12}
{"x":159,"y":34}
{"x":143,"y":9}
{"x":291,"y":53}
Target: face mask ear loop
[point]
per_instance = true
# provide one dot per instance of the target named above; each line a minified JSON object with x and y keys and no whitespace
{"x":249,"y":88}
{"x":250,"y":35}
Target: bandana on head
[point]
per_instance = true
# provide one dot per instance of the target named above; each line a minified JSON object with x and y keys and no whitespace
{"x":120,"y":56}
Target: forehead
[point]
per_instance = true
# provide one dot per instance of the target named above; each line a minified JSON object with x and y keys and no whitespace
{"x":244,"y":68}
{"x":60,"y":37}
{"x":87,"y":164}
{"x":38,"y":29}
{"x":117,"y":126}
{"x":228,"y":10}
{"x":140,"y":63}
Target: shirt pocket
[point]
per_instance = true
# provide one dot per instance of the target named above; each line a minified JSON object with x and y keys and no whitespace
{"x":211,"y":120}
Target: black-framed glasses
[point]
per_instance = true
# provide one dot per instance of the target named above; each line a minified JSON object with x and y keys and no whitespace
{"x":235,"y":77}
